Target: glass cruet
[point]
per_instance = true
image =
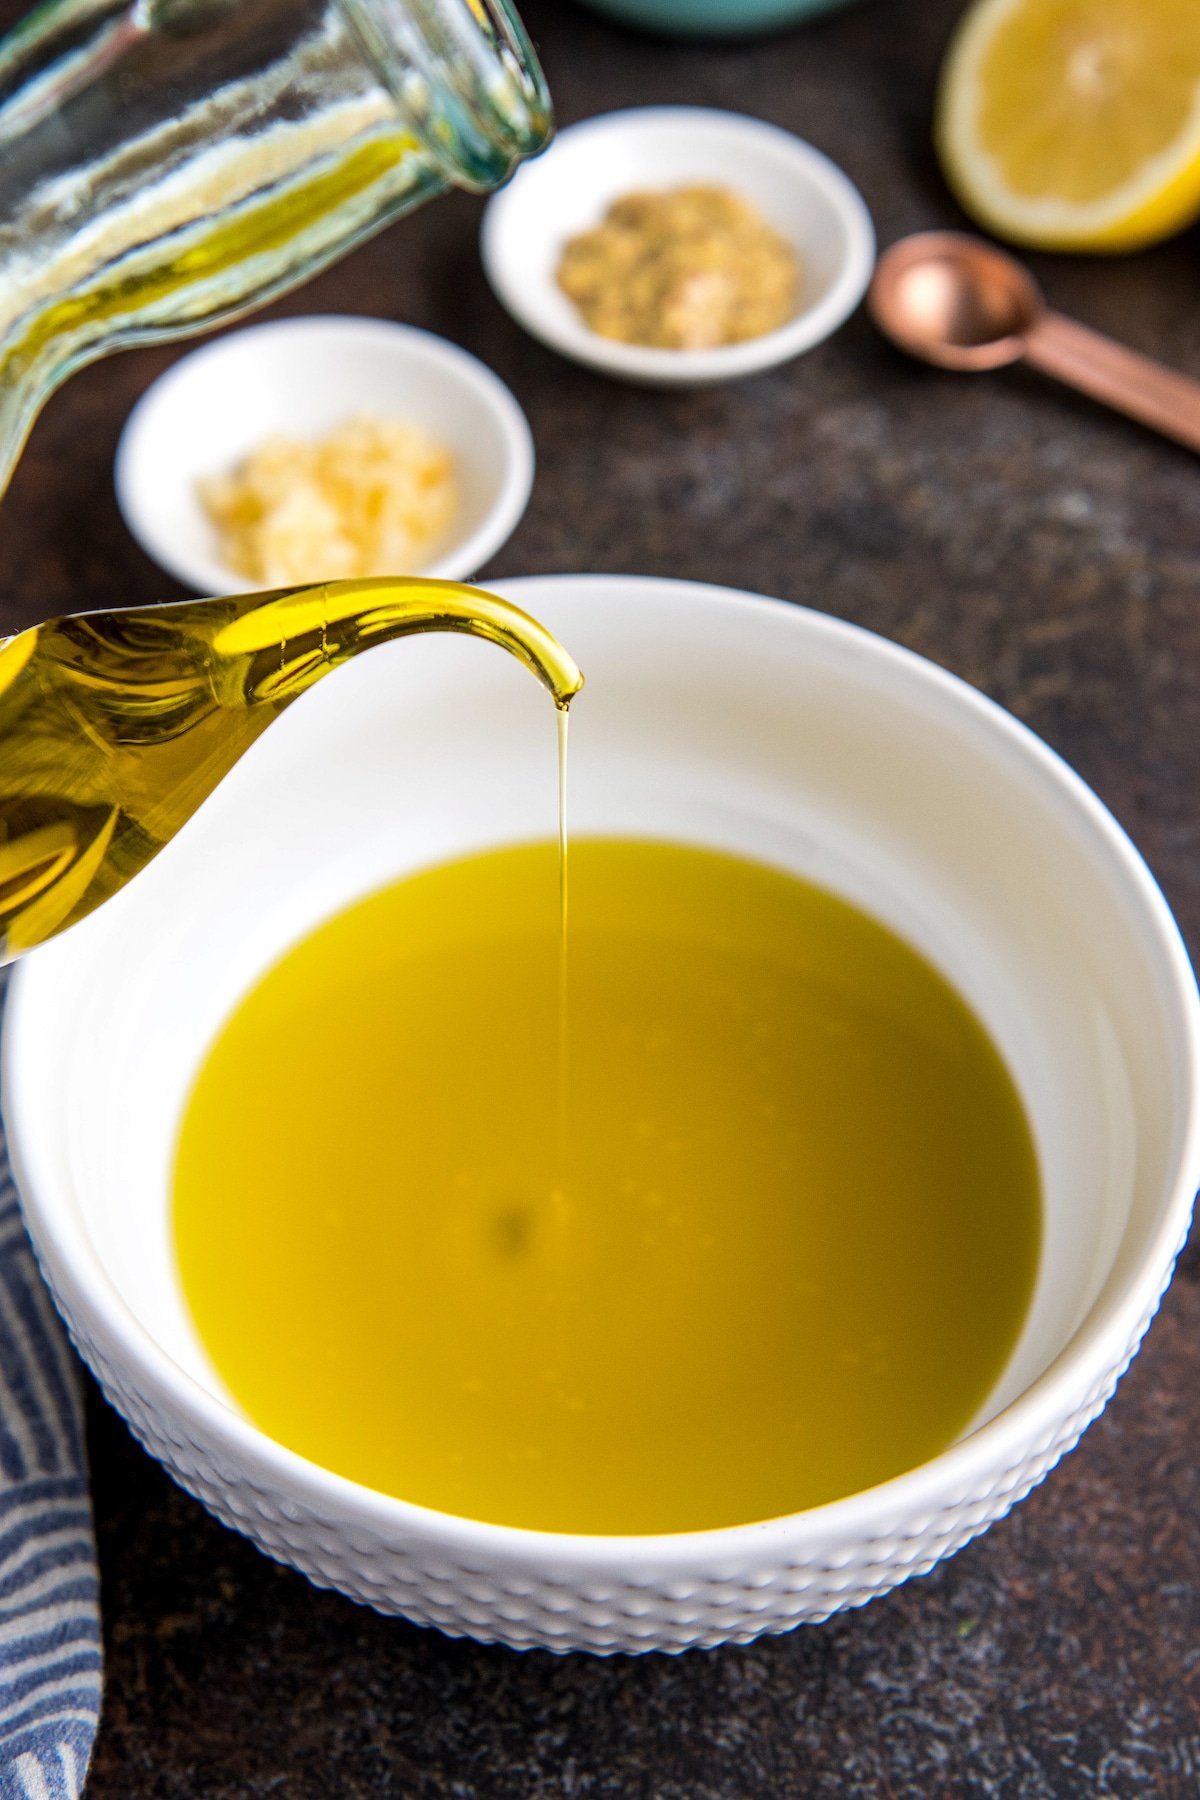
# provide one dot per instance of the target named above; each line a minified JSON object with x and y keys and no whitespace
{"x":167,"y":165}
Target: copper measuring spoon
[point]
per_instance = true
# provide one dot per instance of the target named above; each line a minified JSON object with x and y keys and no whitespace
{"x":958,"y":302}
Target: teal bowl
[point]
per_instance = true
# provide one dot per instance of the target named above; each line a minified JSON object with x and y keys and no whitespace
{"x":712,"y":18}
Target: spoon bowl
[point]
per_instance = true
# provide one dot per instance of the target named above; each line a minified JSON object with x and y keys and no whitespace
{"x":954,"y":301}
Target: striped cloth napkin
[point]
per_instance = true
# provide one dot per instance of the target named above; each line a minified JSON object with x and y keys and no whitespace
{"x":50,"y":1656}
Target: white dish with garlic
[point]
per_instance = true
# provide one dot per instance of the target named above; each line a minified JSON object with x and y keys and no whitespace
{"x":314,"y":448}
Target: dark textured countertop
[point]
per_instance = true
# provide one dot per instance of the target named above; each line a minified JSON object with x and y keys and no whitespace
{"x":1042,"y":549}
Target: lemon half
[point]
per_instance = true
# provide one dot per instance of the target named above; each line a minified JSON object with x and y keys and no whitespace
{"x":1074,"y":124}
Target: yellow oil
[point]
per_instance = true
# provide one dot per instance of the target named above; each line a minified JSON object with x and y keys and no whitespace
{"x":793,"y":1248}
{"x":116,"y":725}
{"x":172,"y":289}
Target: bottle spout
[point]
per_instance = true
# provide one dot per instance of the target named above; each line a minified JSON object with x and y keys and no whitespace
{"x":285,"y":641}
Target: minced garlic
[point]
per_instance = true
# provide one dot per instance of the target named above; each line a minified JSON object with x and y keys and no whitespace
{"x":372,"y":498}
{"x":684,"y":269}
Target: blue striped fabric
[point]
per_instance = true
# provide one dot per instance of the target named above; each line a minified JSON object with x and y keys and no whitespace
{"x":50,"y":1656}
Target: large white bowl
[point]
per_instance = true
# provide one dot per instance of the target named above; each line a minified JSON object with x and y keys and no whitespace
{"x":302,"y":378}
{"x":712,"y":717}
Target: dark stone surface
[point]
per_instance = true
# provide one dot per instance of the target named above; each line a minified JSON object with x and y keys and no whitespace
{"x":1036,"y":545}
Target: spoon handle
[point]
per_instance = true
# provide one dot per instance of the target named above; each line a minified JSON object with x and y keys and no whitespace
{"x":1121,"y":378}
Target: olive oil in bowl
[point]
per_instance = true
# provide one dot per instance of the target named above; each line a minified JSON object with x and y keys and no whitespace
{"x":786,"y":1254}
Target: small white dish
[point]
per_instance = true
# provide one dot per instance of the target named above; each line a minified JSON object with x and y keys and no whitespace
{"x":804,"y":195}
{"x":303,"y":378}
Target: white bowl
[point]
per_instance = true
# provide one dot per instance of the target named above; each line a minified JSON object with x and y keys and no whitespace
{"x":709,"y":717}
{"x":799,"y":191}
{"x":304,"y":377}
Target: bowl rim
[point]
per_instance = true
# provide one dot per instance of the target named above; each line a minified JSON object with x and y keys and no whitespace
{"x":456,"y":366}
{"x":726,"y":362}
{"x":1080,"y":1377}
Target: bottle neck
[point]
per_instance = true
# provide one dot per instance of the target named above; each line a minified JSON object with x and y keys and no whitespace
{"x":464,"y":75}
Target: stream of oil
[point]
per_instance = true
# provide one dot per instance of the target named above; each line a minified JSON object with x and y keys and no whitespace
{"x":562,"y":717}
